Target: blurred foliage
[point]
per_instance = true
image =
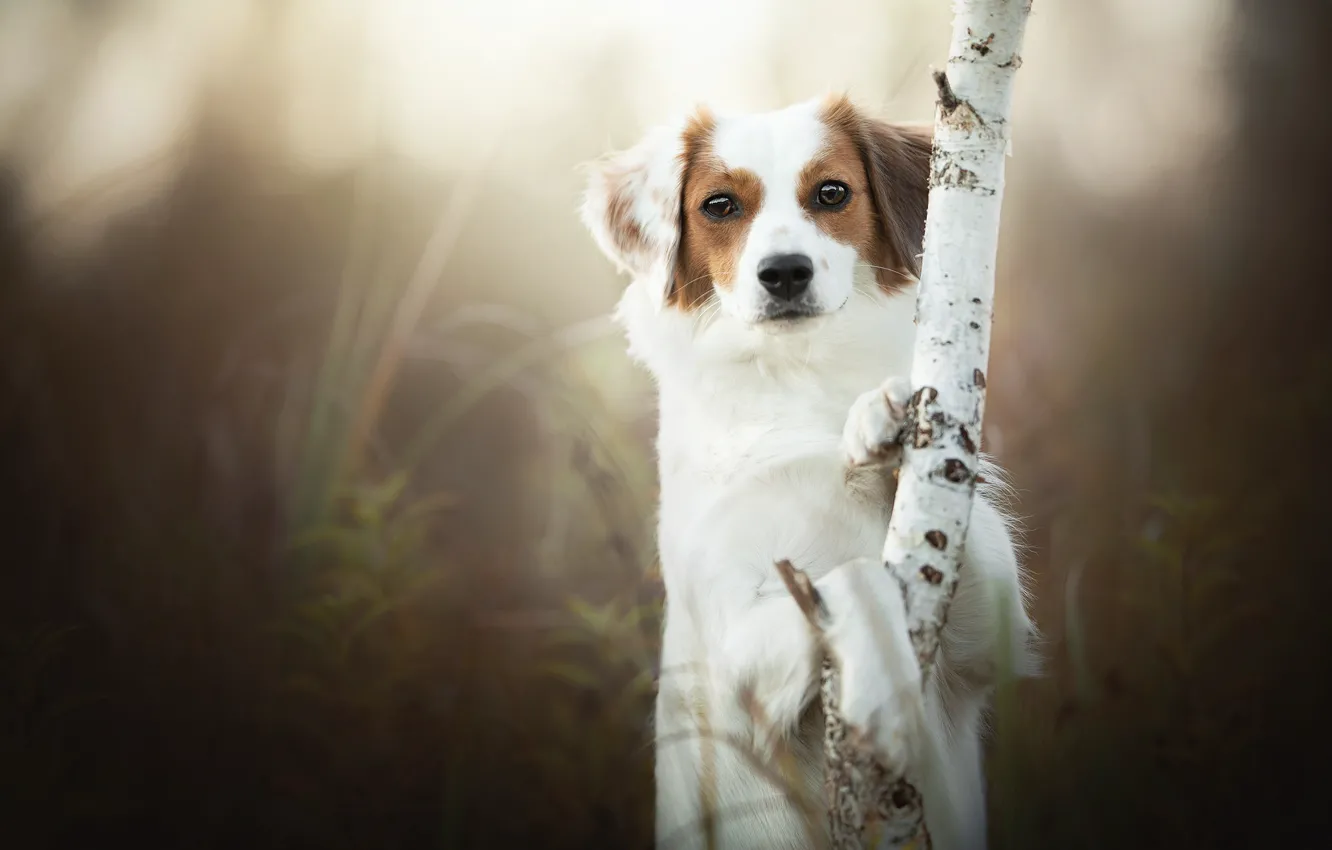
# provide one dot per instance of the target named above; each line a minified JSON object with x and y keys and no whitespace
{"x":1176,"y":692}
{"x":283,"y":587}
{"x":317,"y":539}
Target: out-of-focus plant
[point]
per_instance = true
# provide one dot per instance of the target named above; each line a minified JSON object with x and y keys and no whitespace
{"x":383,"y":630}
{"x":372,"y":567}
{"x":36,"y":756}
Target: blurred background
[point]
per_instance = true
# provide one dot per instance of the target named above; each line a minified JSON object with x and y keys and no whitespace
{"x":330,"y":490}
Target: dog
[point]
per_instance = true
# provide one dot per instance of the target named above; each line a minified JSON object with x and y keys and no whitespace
{"x":774,"y":261}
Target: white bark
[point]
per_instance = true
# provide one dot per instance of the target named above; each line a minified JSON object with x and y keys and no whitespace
{"x":953,"y":312}
{"x":937,"y":480}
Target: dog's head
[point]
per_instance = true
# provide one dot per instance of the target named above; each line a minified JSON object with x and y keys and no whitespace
{"x":768,"y":220}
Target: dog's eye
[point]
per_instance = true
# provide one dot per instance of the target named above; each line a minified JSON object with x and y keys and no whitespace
{"x":832,"y":194}
{"x":720,"y":206}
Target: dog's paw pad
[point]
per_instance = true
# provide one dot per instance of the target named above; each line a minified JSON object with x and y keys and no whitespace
{"x":875,"y":422}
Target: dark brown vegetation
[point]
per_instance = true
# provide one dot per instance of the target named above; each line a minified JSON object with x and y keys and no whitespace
{"x":233,"y":614}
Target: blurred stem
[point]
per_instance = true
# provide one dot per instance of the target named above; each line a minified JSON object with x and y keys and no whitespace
{"x":407,"y":316}
{"x":499,"y":373}
{"x":319,"y":469}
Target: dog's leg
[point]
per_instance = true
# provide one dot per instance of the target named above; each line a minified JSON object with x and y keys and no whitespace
{"x":738,"y":754}
{"x":770,"y":650}
{"x":880,"y":677}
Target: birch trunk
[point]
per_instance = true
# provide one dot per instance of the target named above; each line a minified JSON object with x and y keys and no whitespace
{"x":937,"y":480}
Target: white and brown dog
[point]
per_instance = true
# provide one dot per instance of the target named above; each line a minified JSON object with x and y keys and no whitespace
{"x":773,"y":259}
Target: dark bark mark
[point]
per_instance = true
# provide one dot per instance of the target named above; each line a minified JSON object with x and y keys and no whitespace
{"x":924,"y":436}
{"x":981,"y":45}
{"x":964,"y":439}
{"x":936,"y":538}
{"x":955,"y":470}
{"x":945,"y":172}
{"x":905,"y":795}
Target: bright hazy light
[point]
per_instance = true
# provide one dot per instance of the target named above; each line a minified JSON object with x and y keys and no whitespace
{"x":542,"y":85}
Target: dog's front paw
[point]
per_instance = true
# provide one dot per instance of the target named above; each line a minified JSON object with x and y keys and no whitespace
{"x":882,"y":695}
{"x":870,"y":436}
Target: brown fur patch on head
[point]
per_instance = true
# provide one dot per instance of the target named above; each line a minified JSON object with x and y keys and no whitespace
{"x":855,"y":224}
{"x":612,"y":184}
{"x":894,"y":169}
{"x":710,"y":249}
{"x":624,"y":230}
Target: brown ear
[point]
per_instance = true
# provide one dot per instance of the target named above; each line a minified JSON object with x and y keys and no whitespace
{"x":897,"y":161}
{"x":632,"y":207}
{"x":632,"y":202}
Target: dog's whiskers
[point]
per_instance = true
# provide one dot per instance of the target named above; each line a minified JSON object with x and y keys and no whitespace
{"x":897,"y":272}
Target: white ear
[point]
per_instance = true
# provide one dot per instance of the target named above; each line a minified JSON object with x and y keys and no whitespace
{"x":632,"y":207}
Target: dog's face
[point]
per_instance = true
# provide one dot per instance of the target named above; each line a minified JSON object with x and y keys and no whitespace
{"x":766,"y":220}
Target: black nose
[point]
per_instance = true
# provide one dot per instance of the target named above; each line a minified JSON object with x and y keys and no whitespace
{"x":786,"y":276}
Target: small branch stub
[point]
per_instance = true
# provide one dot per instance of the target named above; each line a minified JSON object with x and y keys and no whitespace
{"x":806,"y":595}
{"x":948,"y":101}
